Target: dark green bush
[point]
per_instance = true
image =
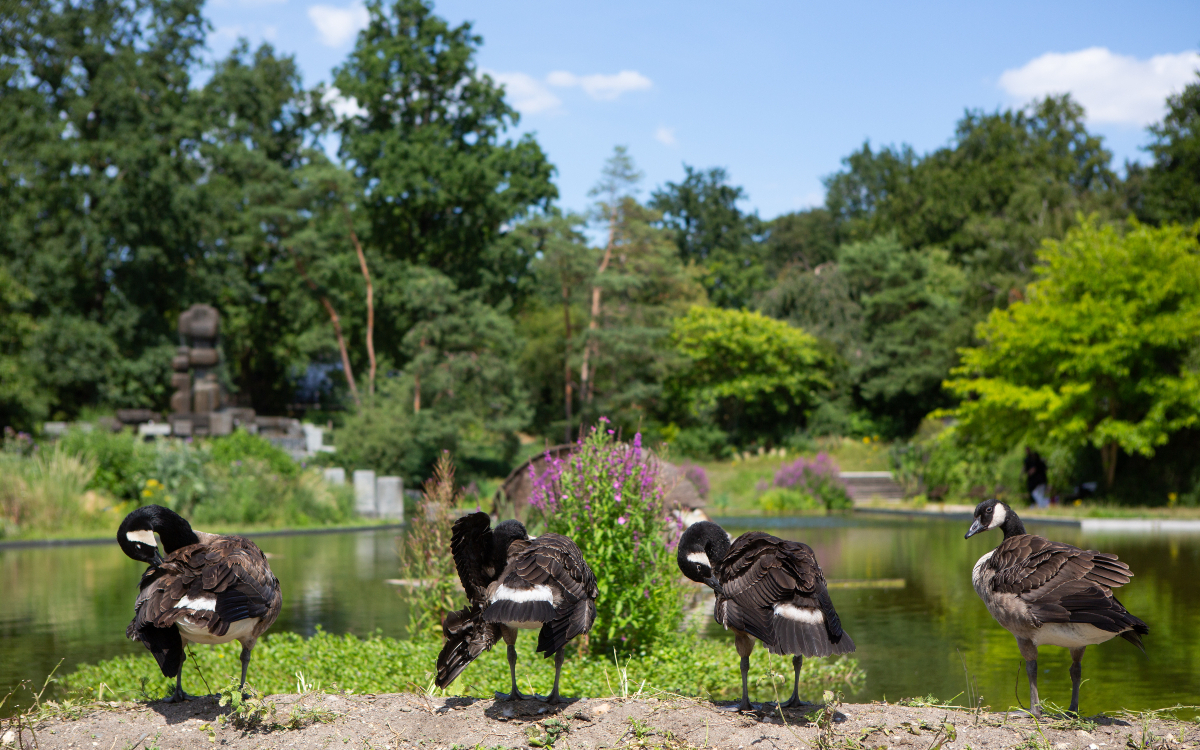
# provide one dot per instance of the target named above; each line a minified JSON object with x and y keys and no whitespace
{"x":241,"y":445}
{"x":123,"y":461}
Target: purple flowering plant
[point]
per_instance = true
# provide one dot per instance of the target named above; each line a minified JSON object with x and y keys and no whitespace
{"x":607,"y":496}
{"x":807,"y":484}
{"x":696,"y":474}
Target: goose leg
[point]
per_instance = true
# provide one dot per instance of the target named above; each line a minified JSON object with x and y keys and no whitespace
{"x":178,"y":696}
{"x":795,"y":701}
{"x":745,"y":644}
{"x":510,"y":637}
{"x":1029,"y":654}
{"x":245,"y":666}
{"x":1076,"y":676}
{"x":558,"y":662}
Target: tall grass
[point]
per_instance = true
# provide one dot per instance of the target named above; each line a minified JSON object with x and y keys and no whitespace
{"x":48,"y":490}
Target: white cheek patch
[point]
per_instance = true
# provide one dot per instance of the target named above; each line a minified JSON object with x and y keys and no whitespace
{"x":202,"y":603}
{"x":800,"y":614}
{"x":145,"y":537}
{"x":539,"y":593}
{"x":999,"y":515}
{"x":700,"y":558}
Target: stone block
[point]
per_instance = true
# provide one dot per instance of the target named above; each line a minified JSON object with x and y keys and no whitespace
{"x":181,"y":427}
{"x":154,"y":429}
{"x":181,"y":381}
{"x":181,"y":402}
{"x":364,"y":493}
{"x":335,"y":475}
{"x":220,"y":423}
{"x":54,"y":429}
{"x":200,"y":321}
{"x":389,"y":497}
{"x":206,"y":397}
{"x":203,"y":357}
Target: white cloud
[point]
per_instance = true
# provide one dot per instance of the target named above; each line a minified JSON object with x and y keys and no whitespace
{"x":526,"y":93}
{"x":270,"y":32}
{"x":665,"y":135}
{"x":343,"y":106}
{"x":1111,"y":87}
{"x":226,"y":34}
{"x":599,"y":86}
{"x":338,"y":25}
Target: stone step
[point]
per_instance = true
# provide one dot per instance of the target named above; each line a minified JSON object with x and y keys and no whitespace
{"x":872,"y":485}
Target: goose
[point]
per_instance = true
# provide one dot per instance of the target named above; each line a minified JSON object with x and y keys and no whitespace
{"x":515,"y":582}
{"x":766,"y":588}
{"x":208,"y":589}
{"x":1050,"y":594}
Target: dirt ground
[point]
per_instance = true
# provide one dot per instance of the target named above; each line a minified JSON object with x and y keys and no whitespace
{"x":413,"y":722}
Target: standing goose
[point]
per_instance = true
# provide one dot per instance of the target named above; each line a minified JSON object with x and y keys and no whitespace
{"x":208,"y":589}
{"x":514,"y":582}
{"x":1050,"y":594}
{"x":767,"y":588}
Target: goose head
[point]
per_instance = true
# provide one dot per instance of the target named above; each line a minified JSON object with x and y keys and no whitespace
{"x":136,"y":533}
{"x":502,"y":536}
{"x":701,"y":548}
{"x":994,"y":514}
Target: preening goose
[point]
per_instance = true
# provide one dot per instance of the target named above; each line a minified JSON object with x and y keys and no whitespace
{"x":208,"y":589}
{"x":767,"y":588}
{"x":513,"y":583}
{"x":1050,"y":594}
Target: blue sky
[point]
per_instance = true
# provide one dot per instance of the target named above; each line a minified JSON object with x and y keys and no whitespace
{"x":775,"y":92}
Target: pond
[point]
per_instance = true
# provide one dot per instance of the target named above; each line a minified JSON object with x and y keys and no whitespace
{"x":924,"y":636}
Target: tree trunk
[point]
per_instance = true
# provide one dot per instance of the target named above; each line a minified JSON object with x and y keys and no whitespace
{"x":337,"y":328}
{"x":566,"y":295}
{"x":362,"y":262}
{"x":592,"y":348}
{"x":1108,"y":455}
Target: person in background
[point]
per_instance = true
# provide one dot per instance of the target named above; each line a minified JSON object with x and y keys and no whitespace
{"x":1036,"y":480}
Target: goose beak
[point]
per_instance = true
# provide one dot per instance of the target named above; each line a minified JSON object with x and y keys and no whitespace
{"x":715,"y":585}
{"x":975,"y":529}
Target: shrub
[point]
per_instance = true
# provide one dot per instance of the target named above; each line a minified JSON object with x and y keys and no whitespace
{"x":123,"y":461}
{"x":241,"y":445}
{"x":782,"y":500}
{"x":607,"y":497}
{"x":47,"y":491}
{"x":816,"y":478}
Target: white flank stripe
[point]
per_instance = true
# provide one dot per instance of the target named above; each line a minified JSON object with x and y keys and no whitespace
{"x":799,"y":614}
{"x":203,"y":603}
{"x":699,"y":557}
{"x":539,"y":593}
{"x":145,"y":537}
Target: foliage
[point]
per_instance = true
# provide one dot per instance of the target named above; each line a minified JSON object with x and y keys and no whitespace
{"x":752,"y":375}
{"x":21,"y":400}
{"x":686,"y":665}
{"x":938,"y":464}
{"x":46,"y":491}
{"x":460,"y":392}
{"x":701,"y":441}
{"x":1172,"y":188}
{"x":427,"y":144}
{"x":433,"y":581}
{"x":713,"y":233}
{"x":242,"y":446}
{"x":123,"y":461}
{"x":608,"y":498}
{"x":1102,"y":352}
{"x":807,"y":484}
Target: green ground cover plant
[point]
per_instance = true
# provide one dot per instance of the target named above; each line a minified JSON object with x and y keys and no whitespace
{"x":688,"y":665}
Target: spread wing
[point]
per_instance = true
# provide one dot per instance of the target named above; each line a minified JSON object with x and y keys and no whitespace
{"x":1062,"y":583}
{"x":470,"y":543}
{"x":467,"y":636}
{"x":774,"y":590}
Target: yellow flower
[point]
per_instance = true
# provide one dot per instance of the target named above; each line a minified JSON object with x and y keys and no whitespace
{"x":1078,"y":503}
{"x":146,"y":493}
{"x":866,"y":441}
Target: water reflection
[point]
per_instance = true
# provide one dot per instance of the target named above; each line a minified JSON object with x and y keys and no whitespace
{"x":73,"y":603}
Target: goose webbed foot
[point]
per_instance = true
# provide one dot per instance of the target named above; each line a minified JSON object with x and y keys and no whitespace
{"x":793,"y":702}
{"x":178,"y":696}
{"x":553,"y":699}
{"x":515,"y":695}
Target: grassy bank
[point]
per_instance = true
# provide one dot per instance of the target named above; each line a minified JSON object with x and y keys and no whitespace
{"x":83,"y":484}
{"x":689,"y":665}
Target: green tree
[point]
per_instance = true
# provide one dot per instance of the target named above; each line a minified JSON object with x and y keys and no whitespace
{"x":803,"y":239}
{"x":714,"y":234}
{"x":22,"y":402}
{"x":753,"y":375}
{"x":438,"y":183}
{"x":1102,"y":352}
{"x":1172,"y":183}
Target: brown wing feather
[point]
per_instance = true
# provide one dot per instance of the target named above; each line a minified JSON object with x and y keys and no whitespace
{"x":1062,"y":583}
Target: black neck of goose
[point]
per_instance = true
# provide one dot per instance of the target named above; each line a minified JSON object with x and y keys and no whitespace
{"x":717,"y":547}
{"x":174,"y":531}
{"x":1012,"y":525}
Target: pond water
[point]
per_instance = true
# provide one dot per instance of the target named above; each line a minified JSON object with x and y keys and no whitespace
{"x":926,"y":637}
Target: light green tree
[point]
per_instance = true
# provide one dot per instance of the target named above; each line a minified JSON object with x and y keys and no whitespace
{"x":752,"y":374}
{"x":1104,"y":351}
